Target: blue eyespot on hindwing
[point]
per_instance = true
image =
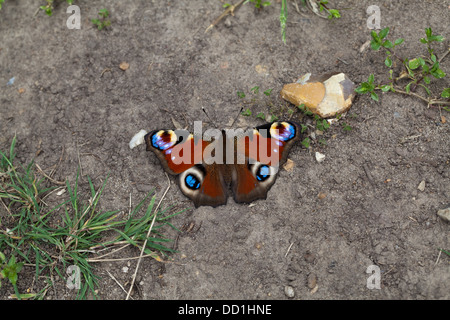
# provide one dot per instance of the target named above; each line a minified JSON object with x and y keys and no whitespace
{"x":192,"y":182}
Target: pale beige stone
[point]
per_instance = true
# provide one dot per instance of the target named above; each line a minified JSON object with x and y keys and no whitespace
{"x":325,"y":95}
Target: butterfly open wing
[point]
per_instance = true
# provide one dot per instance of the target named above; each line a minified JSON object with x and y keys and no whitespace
{"x":265,"y":150}
{"x":181,"y":154}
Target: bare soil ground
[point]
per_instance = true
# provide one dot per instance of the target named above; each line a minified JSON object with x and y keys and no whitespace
{"x":76,"y":97}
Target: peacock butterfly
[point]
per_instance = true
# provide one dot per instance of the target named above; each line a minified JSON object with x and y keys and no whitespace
{"x":208,"y":164}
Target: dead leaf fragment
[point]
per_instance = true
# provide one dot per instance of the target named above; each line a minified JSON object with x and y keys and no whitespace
{"x":443,"y":120}
{"x":124,"y":65}
{"x":288,"y":165}
{"x":21,"y":90}
{"x":321,"y":195}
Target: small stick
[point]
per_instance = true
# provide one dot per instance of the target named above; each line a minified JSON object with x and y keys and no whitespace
{"x":229,"y":10}
{"x":118,"y":283}
{"x":437,"y":260}
{"x":48,"y":177}
{"x":146,"y":238}
{"x":288,"y":249}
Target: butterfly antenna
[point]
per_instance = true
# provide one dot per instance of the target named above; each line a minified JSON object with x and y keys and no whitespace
{"x":239,"y":113}
{"x":213,"y":122}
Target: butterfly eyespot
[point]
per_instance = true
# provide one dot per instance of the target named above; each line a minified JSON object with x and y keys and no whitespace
{"x":192,"y":182}
{"x":283,"y":131}
{"x":164,"y":139}
{"x":263,"y":173}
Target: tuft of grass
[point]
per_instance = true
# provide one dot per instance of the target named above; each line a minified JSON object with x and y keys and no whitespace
{"x":50,"y":242}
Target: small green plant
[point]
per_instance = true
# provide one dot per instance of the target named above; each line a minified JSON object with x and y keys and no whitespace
{"x":332,"y":13}
{"x":320,"y":123}
{"x":417,"y":71}
{"x":240,"y":94}
{"x":48,"y":9}
{"x":102,"y":21}
{"x":9,"y":270}
{"x":259,"y":4}
{"x":1,"y":2}
{"x":306,"y":142}
{"x":255,"y":91}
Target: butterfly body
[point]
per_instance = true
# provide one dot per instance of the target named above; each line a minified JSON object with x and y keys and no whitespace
{"x":245,"y":162}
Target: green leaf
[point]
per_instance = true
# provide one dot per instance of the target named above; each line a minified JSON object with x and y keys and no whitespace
{"x":445,"y":93}
{"x":438,"y":73}
{"x":426,"y":79}
{"x":387,"y":44}
{"x":414,"y":64}
{"x":375,"y":45}
{"x":433,"y":58}
{"x":104,"y":13}
{"x":399,"y":41}
{"x":388,"y":62}
{"x":386,"y":87}
{"x":362,"y":89}
{"x":383,"y":33}
{"x":304,"y":128}
{"x":306,"y":142}
{"x":268,"y":92}
{"x":421,"y":61}
{"x":247,"y":113}
{"x":374,"y":96}
{"x":346,"y":127}
{"x":408,"y":86}
{"x":436,"y":38}
{"x":428,"y":32}
{"x":375,"y":37}
{"x":240,"y":94}
{"x":261,"y":116}
{"x":334,"y":14}
{"x":255,"y":89}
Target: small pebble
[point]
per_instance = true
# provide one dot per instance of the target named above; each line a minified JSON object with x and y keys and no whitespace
{"x":312,"y":281}
{"x":421,"y":186}
{"x":444,"y":214}
{"x":320,"y":157}
{"x":289,"y":291}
